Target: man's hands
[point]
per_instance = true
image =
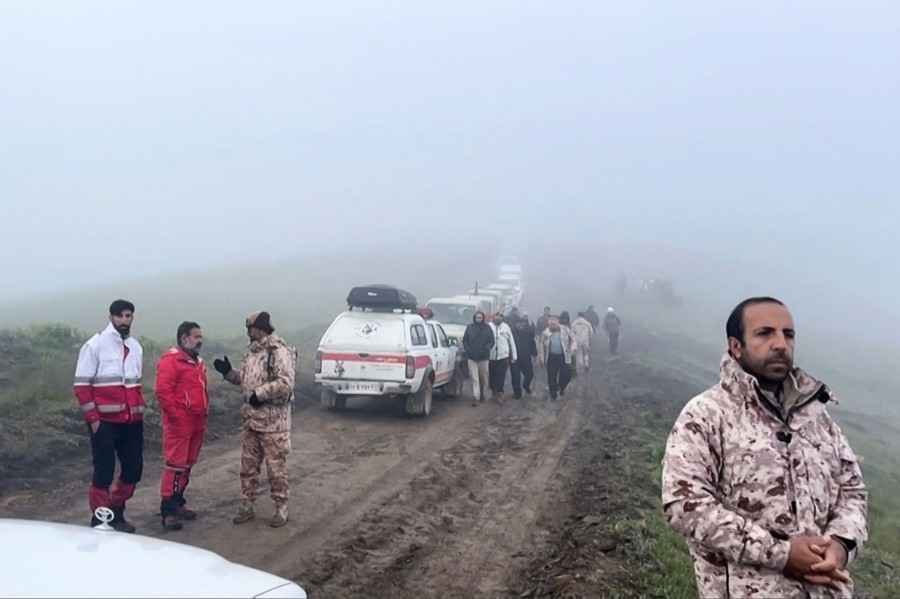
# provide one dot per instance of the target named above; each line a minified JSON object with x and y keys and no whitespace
{"x":817,"y":560}
{"x":223,"y":366}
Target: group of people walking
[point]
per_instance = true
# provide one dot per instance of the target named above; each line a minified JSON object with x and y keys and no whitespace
{"x":108,"y":386}
{"x":512,"y":343}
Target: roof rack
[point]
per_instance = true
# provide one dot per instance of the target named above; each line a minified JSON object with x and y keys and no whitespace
{"x":381,"y":298}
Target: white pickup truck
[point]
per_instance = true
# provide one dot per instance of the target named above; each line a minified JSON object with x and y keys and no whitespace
{"x":382,"y":347}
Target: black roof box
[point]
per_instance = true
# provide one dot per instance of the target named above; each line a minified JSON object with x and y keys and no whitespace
{"x":381,"y":297}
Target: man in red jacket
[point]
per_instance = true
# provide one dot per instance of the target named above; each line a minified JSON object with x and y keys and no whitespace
{"x":184,"y":406}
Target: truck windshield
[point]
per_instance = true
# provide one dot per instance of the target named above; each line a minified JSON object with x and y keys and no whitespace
{"x":453,"y":313}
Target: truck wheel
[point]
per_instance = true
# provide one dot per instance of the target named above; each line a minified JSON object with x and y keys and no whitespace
{"x":453,"y":388}
{"x":329,"y":399}
{"x":419,"y":403}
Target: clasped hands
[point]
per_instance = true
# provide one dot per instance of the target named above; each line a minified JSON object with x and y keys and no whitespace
{"x":817,"y":560}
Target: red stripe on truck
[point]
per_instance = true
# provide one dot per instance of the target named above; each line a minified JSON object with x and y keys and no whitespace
{"x":422,"y":361}
{"x":375,"y":358}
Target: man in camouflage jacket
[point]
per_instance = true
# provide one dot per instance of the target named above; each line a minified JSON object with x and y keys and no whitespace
{"x":757,"y":475}
{"x":266,"y":378}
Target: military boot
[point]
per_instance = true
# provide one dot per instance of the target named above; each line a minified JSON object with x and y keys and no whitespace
{"x":171,"y":522}
{"x":245,"y":513}
{"x":280,"y":517}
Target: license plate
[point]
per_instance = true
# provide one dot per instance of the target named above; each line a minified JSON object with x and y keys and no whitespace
{"x":364,"y":388}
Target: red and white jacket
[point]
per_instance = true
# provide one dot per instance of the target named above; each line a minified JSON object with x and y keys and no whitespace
{"x":108,"y":378}
{"x":181,"y":383}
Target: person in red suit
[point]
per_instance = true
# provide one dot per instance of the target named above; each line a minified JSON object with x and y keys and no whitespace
{"x":181,"y":391}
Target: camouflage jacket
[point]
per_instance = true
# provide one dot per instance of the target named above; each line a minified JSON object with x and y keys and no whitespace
{"x":738,"y":481}
{"x":268,"y":369}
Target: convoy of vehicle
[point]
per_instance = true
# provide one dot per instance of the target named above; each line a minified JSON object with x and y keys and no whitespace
{"x":383,"y":346}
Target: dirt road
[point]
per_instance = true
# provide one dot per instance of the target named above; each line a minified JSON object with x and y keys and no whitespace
{"x":473,"y":501}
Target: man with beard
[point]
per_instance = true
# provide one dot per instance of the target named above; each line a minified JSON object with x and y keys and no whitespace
{"x":266,"y":378}
{"x":478,"y":340}
{"x":181,"y":391}
{"x":108,"y":389}
{"x":526,"y":349}
{"x":758,"y":476}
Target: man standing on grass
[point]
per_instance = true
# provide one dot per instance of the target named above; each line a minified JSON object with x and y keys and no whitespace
{"x":757,"y":475}
{"x":108,"y":388}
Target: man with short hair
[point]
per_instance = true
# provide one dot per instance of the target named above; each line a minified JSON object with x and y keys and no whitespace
{"x":108,"y":388}
{"x":522,"y":370}
{"x":181,"y":390}
{"x":503,"y":354}
{"x":266,"y":379}
{"x":543,"y":321}
{"x":758,"y":476}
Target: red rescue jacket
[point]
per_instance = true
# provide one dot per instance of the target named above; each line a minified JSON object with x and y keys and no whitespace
{"x":181,"y":383}
{"x":108,"y":378}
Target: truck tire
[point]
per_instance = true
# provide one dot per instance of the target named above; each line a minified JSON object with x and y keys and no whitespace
{"x":419,"y":403}
{"x":329,"y":399}
{"x":454,"y":386}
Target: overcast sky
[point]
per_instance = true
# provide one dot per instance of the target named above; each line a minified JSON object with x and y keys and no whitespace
{"x":148,"y":137}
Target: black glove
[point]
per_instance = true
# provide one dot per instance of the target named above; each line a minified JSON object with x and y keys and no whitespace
{"x":223,"y":366}
{"x":254,"y":401}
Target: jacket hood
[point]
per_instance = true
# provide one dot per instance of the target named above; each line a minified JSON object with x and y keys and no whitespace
{"x":483,"y":317}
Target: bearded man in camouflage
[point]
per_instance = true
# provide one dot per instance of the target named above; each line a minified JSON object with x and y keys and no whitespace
{"x":758,"y":476}
{"x":266,"y":378}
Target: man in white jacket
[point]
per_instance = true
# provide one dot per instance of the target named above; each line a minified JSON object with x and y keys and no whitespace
{"x":502,"y":355}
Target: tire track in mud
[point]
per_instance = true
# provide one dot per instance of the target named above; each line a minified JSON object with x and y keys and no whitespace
{"x":456,"y":527}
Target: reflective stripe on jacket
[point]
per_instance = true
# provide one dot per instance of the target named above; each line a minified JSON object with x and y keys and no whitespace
{"x":108,"y":378}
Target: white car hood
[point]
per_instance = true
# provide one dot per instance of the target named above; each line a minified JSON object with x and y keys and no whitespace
{"x":44,"y":559}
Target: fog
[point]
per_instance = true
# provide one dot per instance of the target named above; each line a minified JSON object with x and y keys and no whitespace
{"x":739,"y":150}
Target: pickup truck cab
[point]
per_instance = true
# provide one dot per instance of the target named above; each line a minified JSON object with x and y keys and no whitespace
{"x":382,"y":347}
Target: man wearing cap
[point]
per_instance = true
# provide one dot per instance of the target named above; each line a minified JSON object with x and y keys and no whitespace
{"x":266,"y":378}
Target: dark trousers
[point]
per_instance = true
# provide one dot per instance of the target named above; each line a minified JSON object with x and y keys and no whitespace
{"x":112,"y":441}
{"x":497,"y":374}
{"x":558,"y":374}
{"x":614,"y":342}
{"x":522,"y":374}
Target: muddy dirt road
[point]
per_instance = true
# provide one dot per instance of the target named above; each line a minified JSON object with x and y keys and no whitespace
{"x":473,"y":501}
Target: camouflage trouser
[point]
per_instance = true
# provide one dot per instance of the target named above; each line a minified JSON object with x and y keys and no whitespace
{"x":274,"y":449}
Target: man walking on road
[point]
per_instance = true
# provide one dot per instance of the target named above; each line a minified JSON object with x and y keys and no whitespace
{"x":266,"y":378}
{"x":181,"y":390}
{"x":612,"y":324}
{"x":758,"y":476}
{"x":108,"y":388}
{"x":543,"y":321}
{"x":477,"y":343}
{"x":503,"y":355}
{"x":592,"y":317}
{"x":557,"y":347}
{"x":584,"y":332}
{"x":526,"y":350}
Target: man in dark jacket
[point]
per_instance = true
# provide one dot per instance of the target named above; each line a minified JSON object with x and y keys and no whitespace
{"x":477,"y":343}
{"x":592,"y":317}
{"x":612,"y":324}
{"x":526,"y":348}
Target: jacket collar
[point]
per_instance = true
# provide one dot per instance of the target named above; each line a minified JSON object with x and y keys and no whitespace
{"x":744,"y":386}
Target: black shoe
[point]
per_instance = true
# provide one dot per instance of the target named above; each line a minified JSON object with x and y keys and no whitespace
{"x":562,"y":392}
{"x":171,"y":522}
{"x":519,"y":396}
{"x":119,"y":523}
{"x":527,"y":390}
